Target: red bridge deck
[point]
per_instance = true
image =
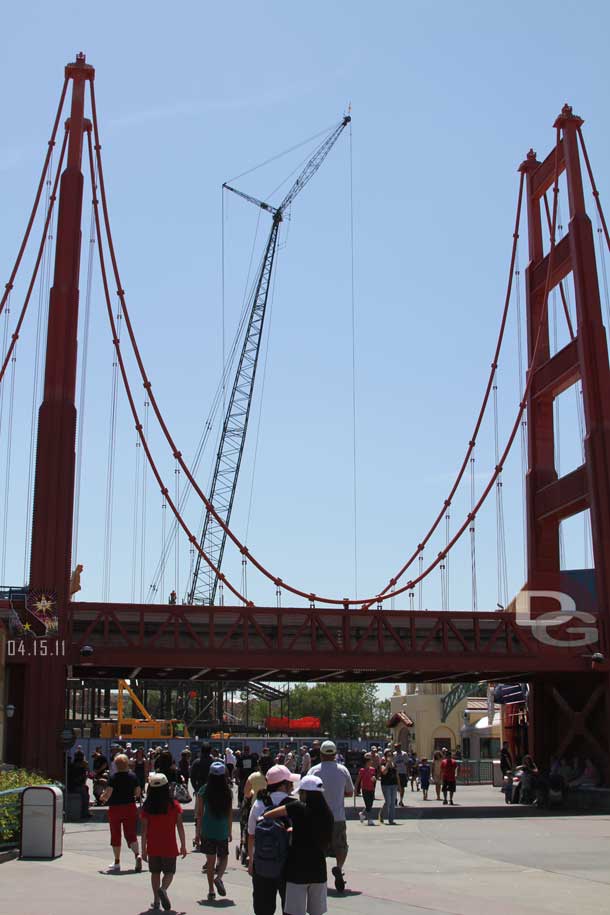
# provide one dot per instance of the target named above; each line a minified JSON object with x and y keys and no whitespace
{"x":309,"y":644}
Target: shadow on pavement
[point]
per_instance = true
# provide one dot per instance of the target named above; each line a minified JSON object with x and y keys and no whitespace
{"x":216,"y":903}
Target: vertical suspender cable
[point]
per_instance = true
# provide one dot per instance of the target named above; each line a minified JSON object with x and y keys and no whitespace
{"x":565,"y":291}
{"x":177,"y":540}
{"x":136,"y":522}
{"x":244,"y":578}
{"x":447,"y":539}
{"x":43,"y":302}
{"x":80,"y":428}
{"x":557,"y":422}
{"x":353,"y":309}
{"x":472,"y":528}
{"x":144,"y":507}
{"x":163,"y":542}
{"x":420,"y":587}
{"x":5,"y":338}
{"x":520,"y":383}
{"x":9,"y":447}
{"x":500,"y":528}
{"x":110,"y":474}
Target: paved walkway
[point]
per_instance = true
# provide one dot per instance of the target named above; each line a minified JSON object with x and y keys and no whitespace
{"x":428,"y":864}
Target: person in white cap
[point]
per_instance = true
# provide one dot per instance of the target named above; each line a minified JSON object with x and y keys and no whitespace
{"x":280,"y":783}
{"x":312,"y":831}
{"x":161,"y":818}
{"x":214,"y":826}
{"x":338,"y":785}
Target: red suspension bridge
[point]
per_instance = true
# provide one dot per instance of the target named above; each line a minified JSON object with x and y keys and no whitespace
{"x":554,"y":634}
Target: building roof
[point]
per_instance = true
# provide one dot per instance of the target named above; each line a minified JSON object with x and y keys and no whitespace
{"x":400,"y":718}
{"x":475,"y":704}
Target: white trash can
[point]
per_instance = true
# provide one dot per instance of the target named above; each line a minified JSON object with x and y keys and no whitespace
{"x":41,"y":822}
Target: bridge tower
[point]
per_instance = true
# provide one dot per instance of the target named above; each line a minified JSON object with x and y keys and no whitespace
{"x":570,"y":714}
{"x":45,"y":678}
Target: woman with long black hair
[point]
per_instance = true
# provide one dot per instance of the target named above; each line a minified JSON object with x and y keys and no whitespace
{"x":312,"y":833}
{"x":161,"y":817}
{"x":214,"y":821}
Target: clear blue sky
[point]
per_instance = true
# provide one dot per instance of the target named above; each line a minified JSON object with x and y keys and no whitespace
{"x":447,"y":99}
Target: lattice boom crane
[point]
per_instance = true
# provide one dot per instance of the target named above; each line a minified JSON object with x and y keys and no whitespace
{"x":204,"y":583}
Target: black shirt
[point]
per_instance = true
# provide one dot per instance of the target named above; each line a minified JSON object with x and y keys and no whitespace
{"x":306,"y":860}
{"x":200,"y":770}
{"x":246,"y":765}
{"x":390,"y":776}
{"x":100,"y":763}
{"x":123,"y":786}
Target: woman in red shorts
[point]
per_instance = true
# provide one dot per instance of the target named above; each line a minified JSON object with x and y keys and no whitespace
{"x":121,"y":794}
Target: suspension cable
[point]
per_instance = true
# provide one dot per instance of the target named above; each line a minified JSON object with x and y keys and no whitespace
{"x":132,"y":405}
{"x":41,"y":247}
{"x":177,"y":454}
{"x":594,"y":190}
{"x":11,"y":282}
{"x":154,"y":404}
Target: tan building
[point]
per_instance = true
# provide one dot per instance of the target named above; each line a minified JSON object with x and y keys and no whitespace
{"x":442,"y":717}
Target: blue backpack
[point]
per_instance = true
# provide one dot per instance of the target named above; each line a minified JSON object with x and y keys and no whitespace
{"x":271,"y":844}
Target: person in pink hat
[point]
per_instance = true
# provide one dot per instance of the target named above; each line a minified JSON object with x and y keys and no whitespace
{"x":280,"y":784}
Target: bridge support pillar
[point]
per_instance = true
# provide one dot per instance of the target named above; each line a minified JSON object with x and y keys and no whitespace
{"x":569,"y":717}
{"x":566,"y":715}
{"x":45,"y":678}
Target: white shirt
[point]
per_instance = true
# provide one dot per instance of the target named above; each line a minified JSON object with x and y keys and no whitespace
{"x":229,"y":757}
{"x":259,"y":807}
{"x":336,"y":780}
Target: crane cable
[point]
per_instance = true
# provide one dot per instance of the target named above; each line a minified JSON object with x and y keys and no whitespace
{"x":217,"y":401}
{"x":353,"y":314}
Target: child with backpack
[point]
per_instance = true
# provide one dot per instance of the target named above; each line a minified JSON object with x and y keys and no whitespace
{"x":161,"y":817}
{"x":312,"y":831}
{"x":214,"y":821}
{"x":268,"y":847}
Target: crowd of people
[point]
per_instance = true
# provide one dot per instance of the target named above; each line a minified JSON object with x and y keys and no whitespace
{"x":291,"y":811}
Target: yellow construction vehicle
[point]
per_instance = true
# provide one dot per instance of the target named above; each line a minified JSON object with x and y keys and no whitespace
{"x":137,"y":728}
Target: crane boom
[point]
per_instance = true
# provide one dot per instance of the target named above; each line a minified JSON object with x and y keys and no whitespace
{"x":204,"y":582}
